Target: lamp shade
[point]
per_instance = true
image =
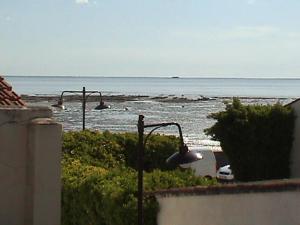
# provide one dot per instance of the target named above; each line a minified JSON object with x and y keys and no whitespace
{"x":184,"y":157}
{"x":101,"y":106}
{"x":59,"y":105}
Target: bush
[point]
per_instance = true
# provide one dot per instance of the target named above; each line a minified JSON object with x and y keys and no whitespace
{"x":93,"y":195}
{"x":157,"y":150}
{"x":93,"y":148}
{"x":80,"y":203}
{"x":256,"y":138}
{"x":110,"y":150}
{"x":100,"y":181}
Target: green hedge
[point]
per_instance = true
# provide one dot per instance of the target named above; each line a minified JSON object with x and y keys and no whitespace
{"x":115,"y":149}
{"x":256,"y":138}
{"x":100,"y":181}
{"x":93,"y":148}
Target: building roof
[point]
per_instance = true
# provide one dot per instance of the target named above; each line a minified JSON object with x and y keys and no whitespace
{"x":8,"y":97}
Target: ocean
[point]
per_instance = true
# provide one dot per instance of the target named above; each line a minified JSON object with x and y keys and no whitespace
{"x":154,"y":86}
{"x":123,"y":115}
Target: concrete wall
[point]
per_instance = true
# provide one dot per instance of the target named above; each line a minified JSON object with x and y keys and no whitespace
{"x":295,"y":154}
{"x":231,"y":206}
{"x":30,"y":147}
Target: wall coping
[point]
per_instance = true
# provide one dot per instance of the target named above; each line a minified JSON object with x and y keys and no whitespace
{"x":293,"y":102}
{"x":12,"y":114}
{"x":234,"y":188}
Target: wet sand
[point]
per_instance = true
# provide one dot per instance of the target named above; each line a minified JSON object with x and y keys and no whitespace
{"x":124,"y":98}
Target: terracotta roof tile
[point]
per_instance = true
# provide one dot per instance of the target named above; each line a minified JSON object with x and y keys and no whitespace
{"x":7,"y":96}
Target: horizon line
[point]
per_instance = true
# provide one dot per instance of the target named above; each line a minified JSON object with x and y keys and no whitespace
{"x":146,"y":76}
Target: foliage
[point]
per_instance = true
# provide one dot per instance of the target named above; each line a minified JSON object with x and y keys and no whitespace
{"x":93,"y":195}
{"x":256,"y":138}
{"x":100,"y":181}
{"x":110,"y":150}
{"x":93,"y":148}
{"x":157,"y":150}
{"x":80,"y":202}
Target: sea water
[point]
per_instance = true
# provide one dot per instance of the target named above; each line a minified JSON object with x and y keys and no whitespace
{"x":123,"y":116}
{"x":159,"y":86}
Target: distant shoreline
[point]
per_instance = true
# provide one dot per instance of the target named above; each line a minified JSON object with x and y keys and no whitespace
{"x":124,"y":98}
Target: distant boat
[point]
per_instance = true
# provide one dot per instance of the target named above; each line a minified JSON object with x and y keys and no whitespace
{"x":174,"y":77}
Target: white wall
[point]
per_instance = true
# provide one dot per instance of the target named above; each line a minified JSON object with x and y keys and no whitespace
{"x":30,"y":148}
{"x":271,"y":208}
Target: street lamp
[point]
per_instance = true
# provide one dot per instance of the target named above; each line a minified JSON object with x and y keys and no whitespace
{"x":181,"y":157}
{"x":85,"y":95}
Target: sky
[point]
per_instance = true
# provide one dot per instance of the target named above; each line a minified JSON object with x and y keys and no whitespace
{"x":186,"y":38}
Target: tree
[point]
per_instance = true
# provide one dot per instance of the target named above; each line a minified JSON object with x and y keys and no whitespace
{"x":257,"y":139}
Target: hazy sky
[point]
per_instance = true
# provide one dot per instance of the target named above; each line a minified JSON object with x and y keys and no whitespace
{"x":204,"y":38}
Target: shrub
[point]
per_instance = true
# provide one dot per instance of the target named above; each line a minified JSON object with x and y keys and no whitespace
{"x":93,"y":195}
{"x":157,"y":150}
{"x":100,"y":181}
{"x":110,"y":150}
{"x":81,"y":203}
{"x":256,"y":138}
{"x":93,"y":148}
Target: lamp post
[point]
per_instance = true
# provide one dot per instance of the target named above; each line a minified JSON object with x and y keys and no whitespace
{"x":85,"y":95}
{"x":181,"y":157}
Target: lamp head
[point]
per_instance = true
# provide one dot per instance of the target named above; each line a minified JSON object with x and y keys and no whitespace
{"x":101,"y":106}
{"x":59,"y":104}
{"x":184,"y":156}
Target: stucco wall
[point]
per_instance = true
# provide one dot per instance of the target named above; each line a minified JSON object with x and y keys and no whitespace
{"x":262,"y":207}
{"x":30,"y":147}
{"x":295,"y":154}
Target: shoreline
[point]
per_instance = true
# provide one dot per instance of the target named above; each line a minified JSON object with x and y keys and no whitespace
{"x":124,"y":98}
